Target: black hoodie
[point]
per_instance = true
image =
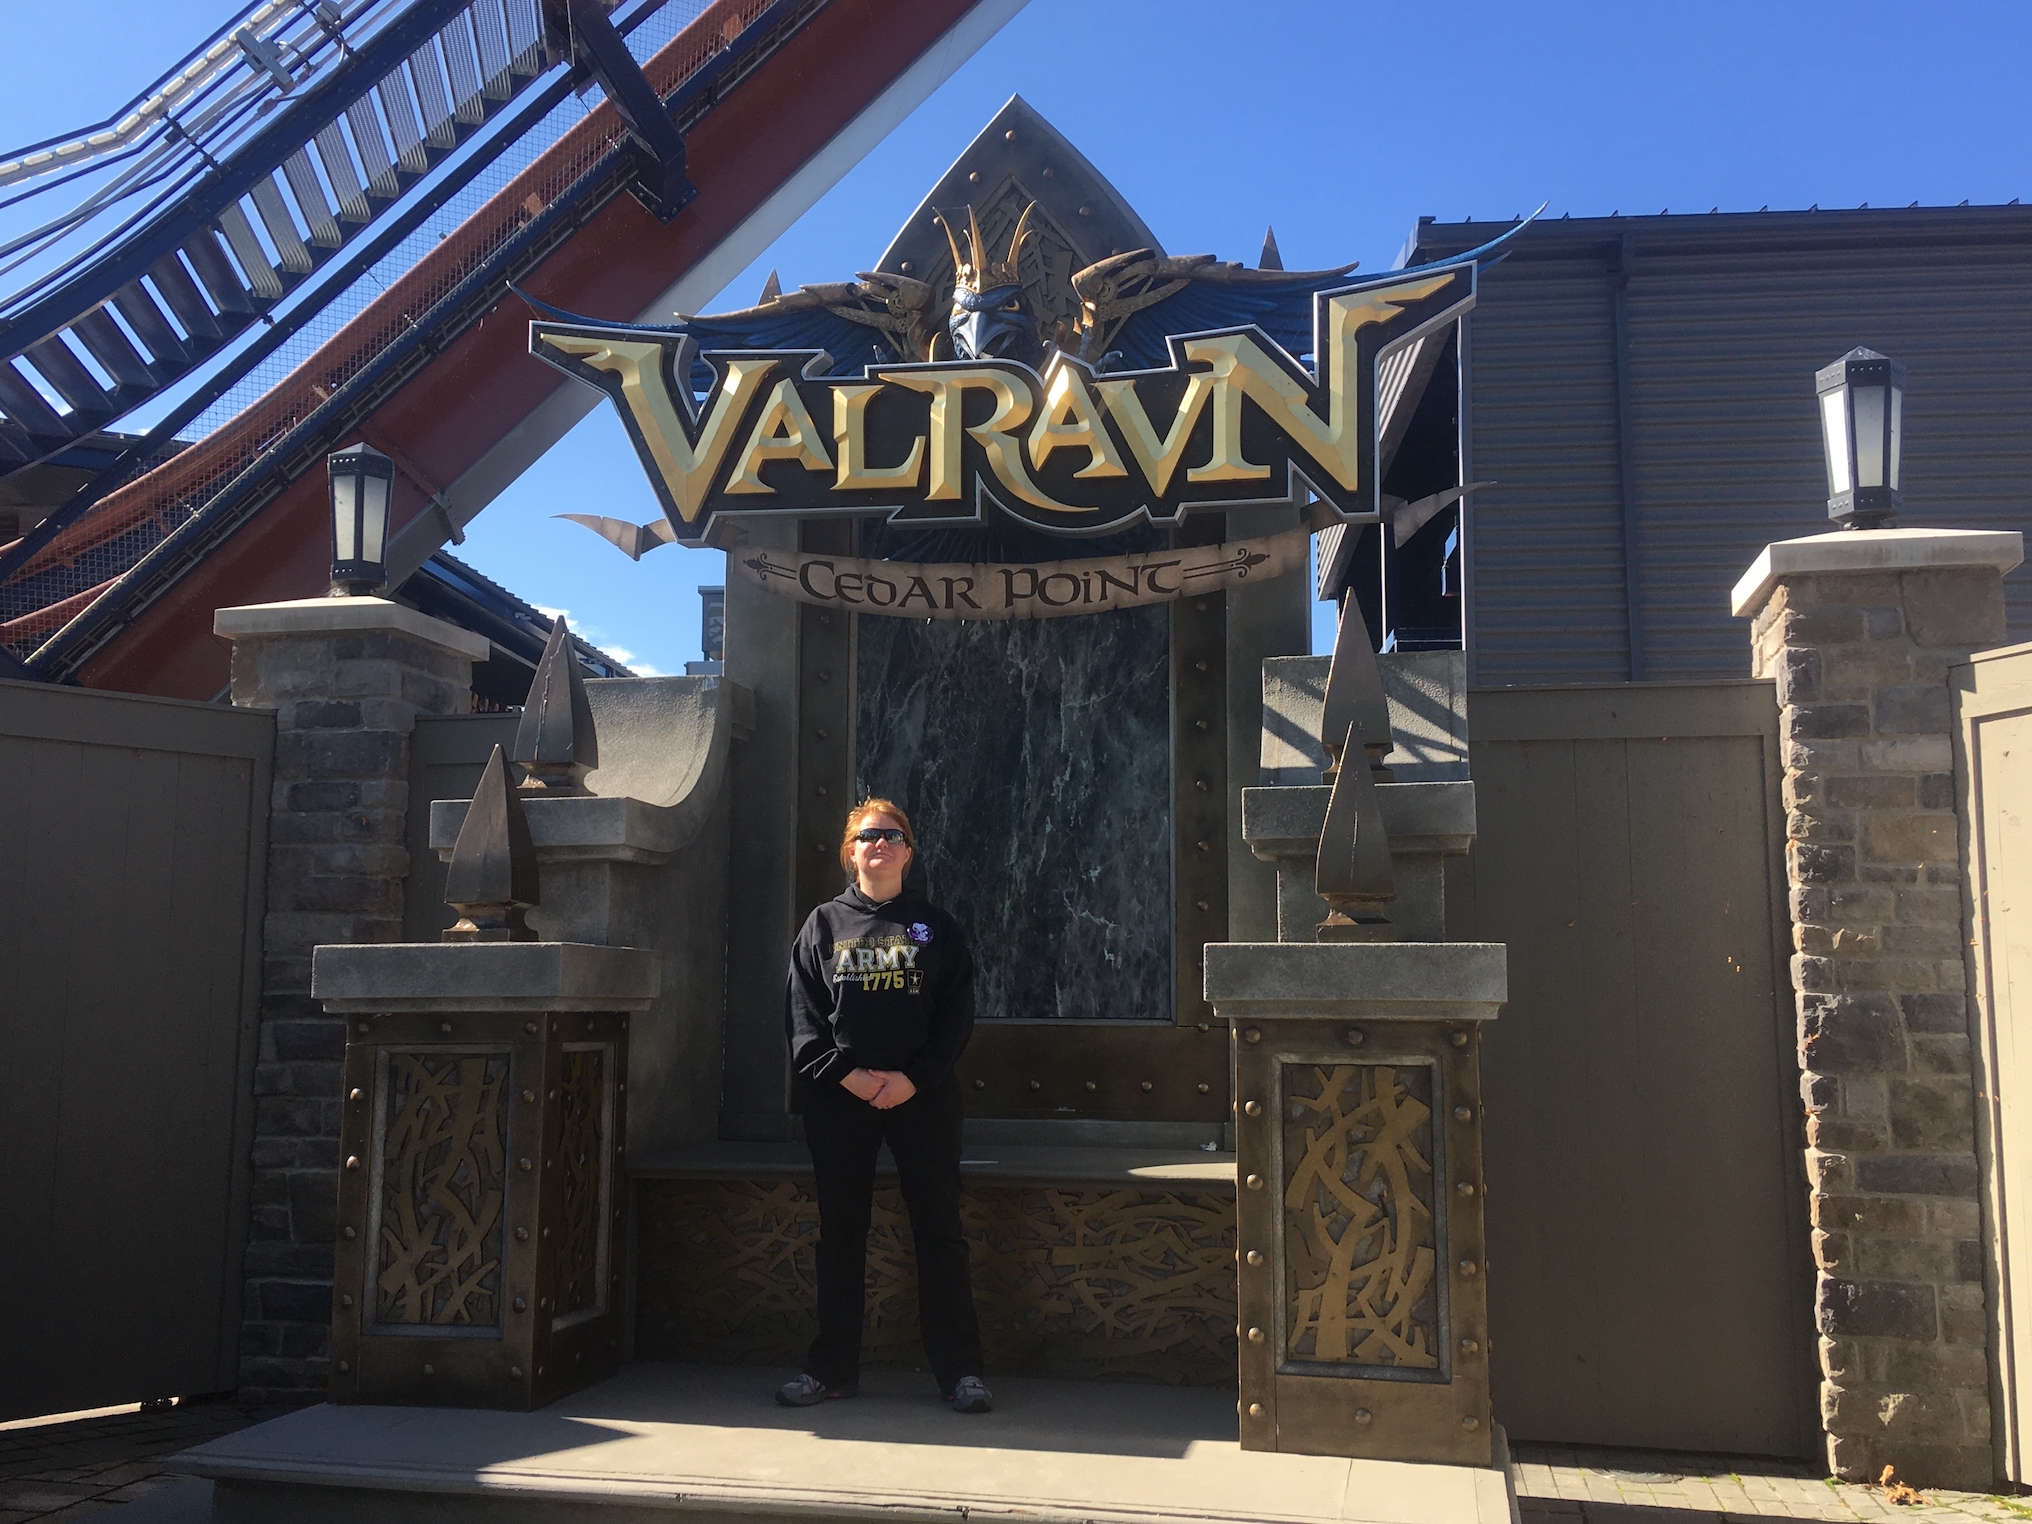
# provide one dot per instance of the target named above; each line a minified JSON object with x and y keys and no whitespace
{"x":879,"y":986}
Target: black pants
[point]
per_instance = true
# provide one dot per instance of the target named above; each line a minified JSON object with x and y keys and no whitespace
{"x":845,"y":1133}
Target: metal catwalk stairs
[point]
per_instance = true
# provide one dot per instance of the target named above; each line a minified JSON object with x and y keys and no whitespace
{"x":308,"y":125}
{"x":260,"y":185}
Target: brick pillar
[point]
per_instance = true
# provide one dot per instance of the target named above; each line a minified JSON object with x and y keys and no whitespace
{"x":1858,"y":629}
{"x":347,"y":678}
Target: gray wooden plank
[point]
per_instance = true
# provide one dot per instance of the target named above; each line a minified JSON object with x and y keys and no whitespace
{"x":131,"y":719}
{"x":1528,"y":883}
{"x":117,"y":1050}
{"x":1720,"y":1172}
{"x":77,"y":856}
{"x":1612,"y":711}
{"x":1604,"y":1182}
{"x":31,"y":1056}
{"x":203,"y":975}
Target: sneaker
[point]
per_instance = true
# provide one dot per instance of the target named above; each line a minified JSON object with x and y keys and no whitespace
{"x":808,"y":1391}
{"x":970,"y":1395}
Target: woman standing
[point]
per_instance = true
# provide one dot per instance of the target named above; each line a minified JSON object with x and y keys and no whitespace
{"x":879,"y":1008}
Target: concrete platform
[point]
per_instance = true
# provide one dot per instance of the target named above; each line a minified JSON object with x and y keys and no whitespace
{"x":988,"y":1163}
{"x":706,"y":1442}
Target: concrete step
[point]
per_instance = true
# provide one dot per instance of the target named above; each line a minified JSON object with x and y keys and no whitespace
{"x":705,"y":1442}
{"x":982,"y":1162}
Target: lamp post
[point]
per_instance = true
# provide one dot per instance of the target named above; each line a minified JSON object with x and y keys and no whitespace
{"x":1862,"y":408}
{"x":360,"y":478}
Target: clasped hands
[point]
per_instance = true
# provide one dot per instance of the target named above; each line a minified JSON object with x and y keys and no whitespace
{"x":880,"y":1088}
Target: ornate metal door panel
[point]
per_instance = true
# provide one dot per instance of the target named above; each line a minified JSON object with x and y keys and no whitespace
{"x":1363,"y":1310}
{"x":479,"y":1203}
{"x":1362,"y":1222}
{"x":436,"y":1188}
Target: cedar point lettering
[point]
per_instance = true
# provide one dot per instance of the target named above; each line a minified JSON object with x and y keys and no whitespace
{"x":1042,"y":590}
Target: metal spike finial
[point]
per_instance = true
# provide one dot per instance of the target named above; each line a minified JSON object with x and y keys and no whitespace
{"x":1015,"y":259}
{"x":771,"y":289}
{"x":556,"y":745}
{"x":1354,"y":872}
{"x":1270,"y":259}
{"x":959,"y":263}
{"x":1354,"y":696}
{"x":977,"y":258}
{"x":492,"y":877}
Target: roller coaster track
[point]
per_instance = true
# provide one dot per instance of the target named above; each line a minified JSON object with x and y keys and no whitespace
{"x":231,"y":222}
{"x":251,"y":217}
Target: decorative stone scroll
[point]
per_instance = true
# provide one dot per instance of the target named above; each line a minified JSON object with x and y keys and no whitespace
{"x":1018,"y":590}
{"x":1083,"y":1282}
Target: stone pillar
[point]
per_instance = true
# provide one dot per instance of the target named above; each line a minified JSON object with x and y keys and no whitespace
{"x":1859,"y":628}
{"x":1361,"y":1261}
{"x":346,"y":678}
{"x":508,"y":1058}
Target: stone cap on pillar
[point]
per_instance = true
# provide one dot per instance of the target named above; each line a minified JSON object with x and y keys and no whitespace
{"x":346,"y":616}
{"x":1377,"y":981}
{"x":1873,"y":550}
{"x":597,"y":830}
{"x":663,"y":767}
{"x":468,"y":977}
{"x":1282,"y":823}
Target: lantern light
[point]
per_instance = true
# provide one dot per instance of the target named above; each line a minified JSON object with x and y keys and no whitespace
{"x":361,"y":478}
{"x":1862,"y":417}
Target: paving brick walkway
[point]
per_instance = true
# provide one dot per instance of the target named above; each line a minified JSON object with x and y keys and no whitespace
{"x":1557,"y":1482}
{"x":80,"y":1464}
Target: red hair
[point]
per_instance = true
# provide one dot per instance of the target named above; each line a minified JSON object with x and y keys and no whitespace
{"x":861,"y":812}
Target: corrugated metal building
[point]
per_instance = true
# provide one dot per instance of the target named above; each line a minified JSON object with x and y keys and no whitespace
{"x":1641,"y":388}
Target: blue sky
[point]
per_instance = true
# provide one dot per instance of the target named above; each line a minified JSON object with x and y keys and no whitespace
{"x":1338,"y":121}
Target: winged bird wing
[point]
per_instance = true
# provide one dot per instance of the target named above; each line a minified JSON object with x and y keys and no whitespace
{"x":879,"y":319}
{"x":633,"y":540}
{"x":1133,"y":302}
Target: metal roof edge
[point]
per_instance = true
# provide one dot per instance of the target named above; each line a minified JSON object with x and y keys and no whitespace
{"x":1714,"y":232}
{"x":513,"y":612}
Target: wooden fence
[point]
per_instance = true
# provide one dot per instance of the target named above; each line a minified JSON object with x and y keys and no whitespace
{"x":133,"y":839}
{"x":1650,"y":1282}
{"x":1993,"y":768}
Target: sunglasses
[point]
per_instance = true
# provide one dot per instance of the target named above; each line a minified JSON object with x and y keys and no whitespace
{"x":890,"y":834}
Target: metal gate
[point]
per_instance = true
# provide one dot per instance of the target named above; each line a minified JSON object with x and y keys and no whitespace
{"x":1650,"y":1281}
{"x":133,"y":837}
{"x":1993,"y":768}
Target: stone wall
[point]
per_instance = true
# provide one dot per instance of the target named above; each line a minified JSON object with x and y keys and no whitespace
{"x":347,"y":678}
{"x":1054,"y":771}
{"x":1860,"y":658}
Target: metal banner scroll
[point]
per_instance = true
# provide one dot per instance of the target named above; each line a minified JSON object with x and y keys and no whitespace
{"x":1018,"y":590}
